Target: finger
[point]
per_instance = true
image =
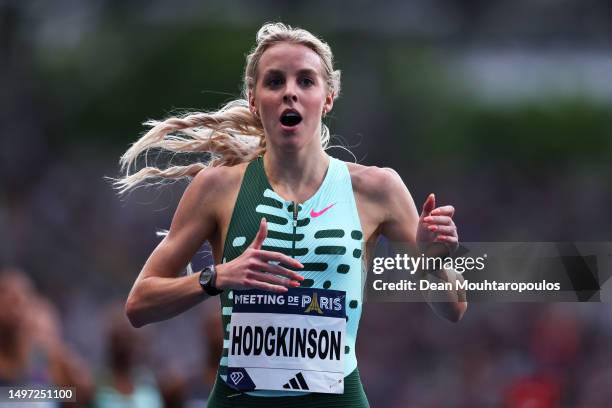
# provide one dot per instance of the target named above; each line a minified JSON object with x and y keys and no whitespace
{"x":443,"y":229}
{"x":279,"y":270}
{"x":429,"y":205}
{"x":261,"y":235}
{"x":273,"y":279}
{"x":446,"y":238}
{"x":438,"y":219}
{"x":255,"y":284}
{"x":445,"y":210}
{"x":278,"y":257}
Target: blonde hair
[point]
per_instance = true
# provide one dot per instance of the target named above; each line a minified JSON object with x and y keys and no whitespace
{"x":232,"y":134}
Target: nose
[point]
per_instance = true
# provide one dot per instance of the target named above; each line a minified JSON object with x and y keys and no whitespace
{"x":290,"y":94}
{"x":293,"y":98}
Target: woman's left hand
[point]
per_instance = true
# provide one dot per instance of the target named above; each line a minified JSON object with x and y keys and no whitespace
{"x":436,"y":225}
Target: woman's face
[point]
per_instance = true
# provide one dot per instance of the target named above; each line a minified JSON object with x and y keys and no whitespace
{"x":290,"y":95}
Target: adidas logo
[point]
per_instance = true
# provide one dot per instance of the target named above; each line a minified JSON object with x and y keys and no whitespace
{"x":236,"y":377}
{"x":297,"y":383}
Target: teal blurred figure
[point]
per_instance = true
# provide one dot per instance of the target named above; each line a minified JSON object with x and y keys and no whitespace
{"x":126,"y":384}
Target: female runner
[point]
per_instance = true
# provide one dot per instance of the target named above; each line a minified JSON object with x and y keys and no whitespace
{"x":280,"y":215}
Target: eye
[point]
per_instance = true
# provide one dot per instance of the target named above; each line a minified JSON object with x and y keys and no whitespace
{"x":306,"y":82}
{"x":274,"y":82}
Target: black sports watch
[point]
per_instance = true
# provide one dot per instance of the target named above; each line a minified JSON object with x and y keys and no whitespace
{"x":207,"y":281}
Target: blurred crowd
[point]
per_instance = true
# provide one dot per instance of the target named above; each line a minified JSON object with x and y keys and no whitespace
{"x":80,"y":249}
{"x":518,"y":163}
{"x":35,"y":351}
{"x":513,"y":355}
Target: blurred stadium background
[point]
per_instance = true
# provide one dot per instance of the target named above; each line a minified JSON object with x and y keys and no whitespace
{"x":500,"y":108}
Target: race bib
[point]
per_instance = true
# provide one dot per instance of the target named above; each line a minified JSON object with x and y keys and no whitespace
{"x":290,"y":342}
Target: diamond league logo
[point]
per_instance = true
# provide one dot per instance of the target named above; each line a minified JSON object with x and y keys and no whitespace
{"x":236,"y":377}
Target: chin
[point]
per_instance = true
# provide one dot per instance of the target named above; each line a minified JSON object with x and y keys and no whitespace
{"x":291,"y":139}
{"x":288,"y":139}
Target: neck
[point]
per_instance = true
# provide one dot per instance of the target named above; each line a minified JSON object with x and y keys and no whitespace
{"x":296,"y":173}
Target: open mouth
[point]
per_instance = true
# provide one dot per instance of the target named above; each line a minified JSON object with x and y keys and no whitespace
{"x":290,"y":117}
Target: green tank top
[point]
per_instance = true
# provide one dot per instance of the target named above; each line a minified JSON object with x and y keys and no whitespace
{"x":323,"y":233}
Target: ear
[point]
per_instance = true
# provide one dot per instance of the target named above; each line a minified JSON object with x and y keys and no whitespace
{"x":329,"y":103}
{"x":252,"y":106}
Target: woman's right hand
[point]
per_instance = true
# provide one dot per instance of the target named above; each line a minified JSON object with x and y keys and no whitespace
{"x":253,"y":270}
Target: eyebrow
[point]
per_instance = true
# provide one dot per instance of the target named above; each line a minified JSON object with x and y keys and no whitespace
{"x":303,"y":71}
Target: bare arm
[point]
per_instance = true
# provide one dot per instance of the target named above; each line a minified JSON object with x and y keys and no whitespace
{"x":402,"y":224}
{"x":157,"y":293}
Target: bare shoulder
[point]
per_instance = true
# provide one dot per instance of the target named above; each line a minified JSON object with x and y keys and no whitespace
{"x":373,"y":181}
{"x":212,"y":189}
{"x":374,"y":188}
{"x":218,"y":179}
{"x":386,"y":201}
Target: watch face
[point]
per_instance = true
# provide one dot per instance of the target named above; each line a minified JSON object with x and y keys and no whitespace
{"x":205,"y":276}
